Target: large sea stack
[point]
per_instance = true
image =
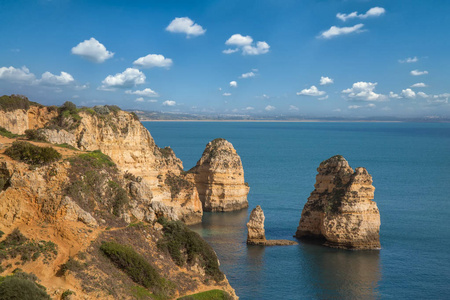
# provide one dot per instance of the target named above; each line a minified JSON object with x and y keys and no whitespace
{"x":340,"y":210}
{"x":219,"y":178}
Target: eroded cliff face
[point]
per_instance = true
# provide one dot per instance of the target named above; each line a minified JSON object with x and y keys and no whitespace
{"x":219,"y":178}
{"x":340,"y":210}
{"x":255,"y":226}
{"x":17,"y":121}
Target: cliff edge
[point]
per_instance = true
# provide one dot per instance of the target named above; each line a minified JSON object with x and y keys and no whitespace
{"x":340,"y":210}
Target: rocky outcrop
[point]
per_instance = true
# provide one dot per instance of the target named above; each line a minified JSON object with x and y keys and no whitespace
{"x":256,"y":233}
{"x":17,"y":121}
{"x":219,"y":178}
{"x":340,"y":210}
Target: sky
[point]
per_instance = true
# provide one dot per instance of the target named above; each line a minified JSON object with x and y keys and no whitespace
{"x":322,"y":58}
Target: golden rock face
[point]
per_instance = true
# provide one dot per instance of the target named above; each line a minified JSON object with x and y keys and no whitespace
{"x":340,"y":210}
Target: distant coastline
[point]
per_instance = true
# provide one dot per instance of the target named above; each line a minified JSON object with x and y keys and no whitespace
{"x":278,"y":121}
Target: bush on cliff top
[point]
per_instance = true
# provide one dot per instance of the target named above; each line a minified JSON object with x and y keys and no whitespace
{"x":186,"y":246}
{"x":6,"y":133}
{"x":208,"y":295}
{"x":31,"y":154}
{"x":13,"y":102}
{"x":35,"y":135}
{"x":137,"y":268}
{"x":22,"y":286}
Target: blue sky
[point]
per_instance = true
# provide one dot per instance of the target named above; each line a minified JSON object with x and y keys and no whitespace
{"x":349,"y":58}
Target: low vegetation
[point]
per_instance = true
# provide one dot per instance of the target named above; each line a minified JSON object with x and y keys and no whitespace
{"x":13,"y":102}
{"x":177,"y":184}
{"x":16,"y":244}
{"x":187,"y":247}
{"x":7,"y":133}
{"x":23,"y":286}
{"x":209,"y":295}
{"x":35,"y":135}
{"x":137,"y":268}
{"x":31,"y":154}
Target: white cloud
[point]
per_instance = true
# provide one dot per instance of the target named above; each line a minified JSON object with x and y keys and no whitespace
{"x":261,"y":48}
{"x":152,"y":100}
{"x":185,"y":25}
{"x":336,"y":31}
{"x":371,"y":105}
{"x":418,"y":73}
{"x":270,"y":108}
{"x":293,"y":108}
{"x":92,"y":50}
{"x":326,"y":80}
{"x":373,"y":12}
{"x":409,"y":60}
{"x":127,"y":79}
{"x":169,"y":103}
{"x":354,"y":106}
{"x":249,"y":108}
{"x":435,"y":99}
{"x":153,"y":60}
{"x":422,"y":94}
{"x":312,"y":91}
{"x":394,"y":95}
{"x":239,"y":40}
{"x":229,"y":51}
{"x":147,"y":92}
{"x":419,"y":85}
{"x":51,"y":79}
{"x":140,"y":99}
{"x":17,"y":75}
{"x":246,"y":44}
{"x":323,"y":98}
{"x":233,"y":83}
{"x":247,"y":75}
{"x":408,"y":93}
{"x":226,"y":94}
{"x":364,"y":91}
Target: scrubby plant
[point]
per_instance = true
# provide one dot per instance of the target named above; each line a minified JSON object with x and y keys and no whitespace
{"x":6,"y":133}
{"x":66,"y":294}
{"x":13,"y":102}
{"x":177,"y":184}
{"x":72,"y":265}
{"x":186,"y":246}
{"x":137,"y":268}
{"x":208,"y":295}
{"x":94,"y":159}
{"x":35,"y":135}
{"x":22,"y":286}
{"x":31,"y":154}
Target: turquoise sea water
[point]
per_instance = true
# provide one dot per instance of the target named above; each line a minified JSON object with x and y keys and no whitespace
{"x":410,"y":166}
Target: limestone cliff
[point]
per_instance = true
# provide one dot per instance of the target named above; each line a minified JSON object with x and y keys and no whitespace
{"x":340,"y":210}
{"x":58,"y":215}
{"x":34,"y":117}
{"x":256,"y":233}
{"x":219,"y":178}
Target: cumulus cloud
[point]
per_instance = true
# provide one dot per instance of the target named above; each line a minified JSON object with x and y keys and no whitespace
{"x":419,"y":85}
{"x":246,"y":44}
{"x":435,"y":99}
{"x":185,"y":25}
{"x":147,"y":92}
{"x":354,"y":106}
{"x":336,"y":31}
{"x":323,"y":98}
{"x":140,"y":99}
{"x":233,"y":83}
{"x":418,"y":73}
{"x":312,"y":91}
{"x":370,"y":105}
{"x":373,"y":12}
{"x":169,"y":103}
{"x":153,"y":60}
{"x":16,"y":75}
{"x":270,"y":108}
{"x":408,"y":93}
{"x":92,"y":50}
{"x":229,"y":51}
{"x":408,"y":60}
{"x":249,"y":108}
{"x":364,"y":91}
{"x":293,"y":108}
{"x":226,"y":94}
{"x":127,"y":79}
{"x":326,"y":80}
{"x":394,"y":95}
{"x":247,"y":75}
{"x":51,"y":79}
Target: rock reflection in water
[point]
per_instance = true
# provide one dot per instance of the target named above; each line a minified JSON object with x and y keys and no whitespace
{"x":342,"y":274}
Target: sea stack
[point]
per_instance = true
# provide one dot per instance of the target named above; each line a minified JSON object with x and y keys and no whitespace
{"x":219,"y":178}
{"x":340,"y":210}
{"x":256,"y":233}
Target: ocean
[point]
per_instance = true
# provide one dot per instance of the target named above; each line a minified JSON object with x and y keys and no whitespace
{"x":410,"y":166}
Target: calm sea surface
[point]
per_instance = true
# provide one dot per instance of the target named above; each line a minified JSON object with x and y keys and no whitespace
{"x":410,"y":166}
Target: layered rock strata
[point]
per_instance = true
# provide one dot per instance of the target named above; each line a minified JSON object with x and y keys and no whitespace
{"x":340,"y":210}
{"x":256,"y":233}
{"x":219,"y":178}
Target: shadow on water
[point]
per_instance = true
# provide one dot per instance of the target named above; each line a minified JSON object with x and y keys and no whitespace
{"x":341,"y":274}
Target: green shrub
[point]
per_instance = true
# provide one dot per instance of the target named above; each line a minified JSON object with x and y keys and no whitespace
{"x":136,"y":267}
{"x":15,"y":287}
{"x":35,"y":135}
{"x":65,"y":145}
{"x":71,"y":265}
{"x":66,"y":294}
{"x":4,"y":132}
{"x":119,"y":197}
{"x":31,"y":154}
{"x":95,"y":159}
{"x":177,"y":184}
{"x":208,"y":295}
{"x":186,"y":246}
{"x":13,"y":102}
